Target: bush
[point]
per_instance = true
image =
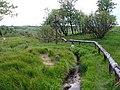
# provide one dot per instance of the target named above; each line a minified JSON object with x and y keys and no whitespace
{"x":100,"y":24}
{"x":46,"y":34}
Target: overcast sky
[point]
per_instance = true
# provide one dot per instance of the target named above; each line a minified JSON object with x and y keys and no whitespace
{"x":31,"y":12}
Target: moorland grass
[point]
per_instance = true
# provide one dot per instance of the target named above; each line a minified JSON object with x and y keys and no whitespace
{"x":21,"y":67}
{"x":111,"y":42}
{"x":93,"y":70}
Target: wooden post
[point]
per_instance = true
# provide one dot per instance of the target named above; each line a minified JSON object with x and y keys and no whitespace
{"x":56,"y":36}
{"x":56,"y":22}
{"x":116,"y":77}
{"x":105,"y":57}
{"x":98,"y":50}
{"x":56,"y":28}
{"x":110,"y":68}
{"x":72,"y":42}
{"x":95,"y":46}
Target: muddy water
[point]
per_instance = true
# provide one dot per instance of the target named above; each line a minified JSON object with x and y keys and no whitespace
{"x":72,"y":81}
{"x":76,"y":84}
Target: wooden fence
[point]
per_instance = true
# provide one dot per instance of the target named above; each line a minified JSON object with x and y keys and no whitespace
{"x":113,"y":66}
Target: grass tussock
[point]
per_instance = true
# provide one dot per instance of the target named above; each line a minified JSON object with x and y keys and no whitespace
{"x":23,"y":69}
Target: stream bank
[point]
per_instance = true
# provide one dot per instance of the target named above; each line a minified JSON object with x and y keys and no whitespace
{"x":72,"y":81}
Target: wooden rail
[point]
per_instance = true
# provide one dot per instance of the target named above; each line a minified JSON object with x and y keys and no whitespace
{"x":113,"y":66}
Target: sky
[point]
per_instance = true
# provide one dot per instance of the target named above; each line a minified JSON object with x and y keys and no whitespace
{"x":31,"y":12}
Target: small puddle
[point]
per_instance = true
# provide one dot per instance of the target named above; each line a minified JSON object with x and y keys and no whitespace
{"x":72,"y":81}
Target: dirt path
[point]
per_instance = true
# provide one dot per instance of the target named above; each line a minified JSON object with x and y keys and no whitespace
{"x":47,"y":60}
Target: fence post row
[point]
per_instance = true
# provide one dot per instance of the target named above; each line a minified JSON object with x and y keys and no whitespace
{"x":113,"y":66}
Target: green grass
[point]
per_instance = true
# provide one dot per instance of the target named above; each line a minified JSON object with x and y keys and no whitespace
{"x":21,"y":67}
{"x":93,"y":69}
{"x":111,"y":43}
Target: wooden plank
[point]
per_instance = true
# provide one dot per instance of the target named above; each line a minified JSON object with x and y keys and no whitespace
{"x":64,"y":39}
{"x":82,"y":41}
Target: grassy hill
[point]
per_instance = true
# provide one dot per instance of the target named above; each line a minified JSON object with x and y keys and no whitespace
{"x":22,"y":67}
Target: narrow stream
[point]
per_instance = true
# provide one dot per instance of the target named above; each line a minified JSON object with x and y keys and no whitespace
{"x":72,"y":81}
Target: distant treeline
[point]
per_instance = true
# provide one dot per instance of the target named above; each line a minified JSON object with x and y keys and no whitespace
{"x":17,"y":30}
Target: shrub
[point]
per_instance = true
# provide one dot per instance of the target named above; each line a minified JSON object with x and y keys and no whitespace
{"x":46,"y":33}
{"x":101,"y":23}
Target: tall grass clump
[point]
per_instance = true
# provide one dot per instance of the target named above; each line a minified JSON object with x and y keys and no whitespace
{"x":24,"y":69}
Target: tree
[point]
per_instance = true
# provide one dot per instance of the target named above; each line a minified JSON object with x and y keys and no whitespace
{"x":68,"y":10}
{"x":102,"y":21}
{"x":6,"y":9}
{"x":67,"y":16}
{"x":105,"y":5}
{"x":78,"y":17}
{"x":84,"y":23}
{"x":50,"y":18}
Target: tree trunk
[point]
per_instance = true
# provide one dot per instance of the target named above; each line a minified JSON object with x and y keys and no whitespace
{"x":72,"y":29}
{"x":62,"y":28}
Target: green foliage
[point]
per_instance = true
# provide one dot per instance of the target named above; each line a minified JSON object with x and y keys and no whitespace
{"x":68,"y":10}
{"x":46,"y":33}
{"x":6,"y":31}
{"x":50,"y":18}
{"x":67,"y":16}
{"x":84,"y":24}
{"x":100,"y":23}
{"x":12,"y":31}
{"x":105,"y":5}
{"x":6,"y":9}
